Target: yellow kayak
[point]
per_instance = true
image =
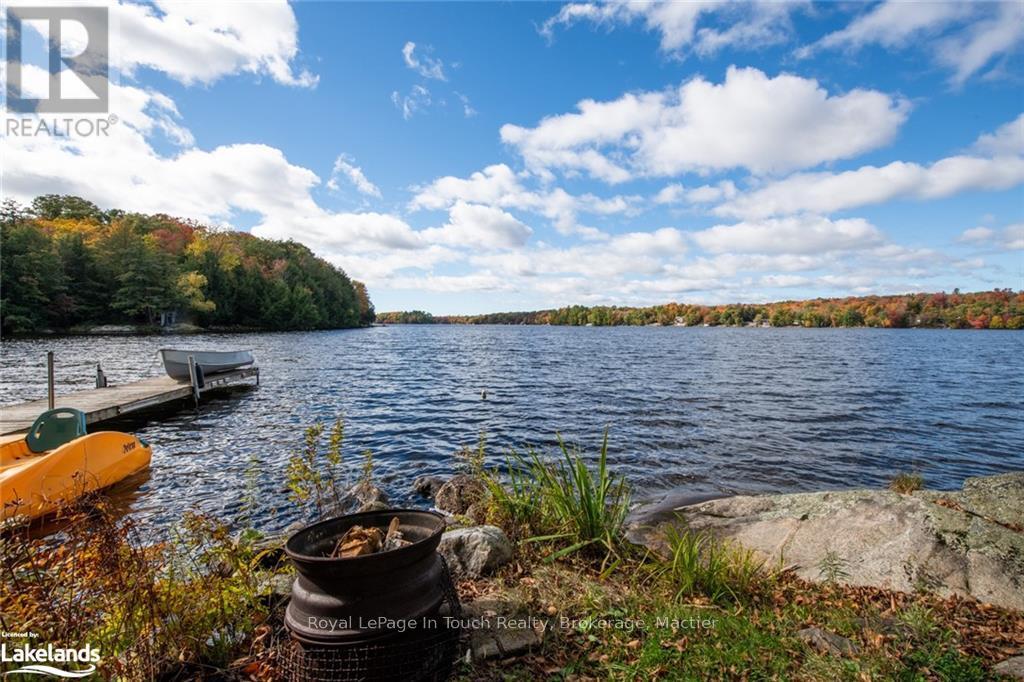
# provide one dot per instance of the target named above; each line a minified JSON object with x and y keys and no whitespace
{"x":58,"y":462}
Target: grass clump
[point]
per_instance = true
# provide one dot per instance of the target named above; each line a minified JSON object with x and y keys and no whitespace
{"x":586,"y":508}
{"x":906,"y":483}
{"x":562,"y":499}
{"x":699,"y":565}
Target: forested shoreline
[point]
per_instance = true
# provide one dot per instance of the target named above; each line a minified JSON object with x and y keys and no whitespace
{"x":997,"y":309}
{"x":66,"y":264}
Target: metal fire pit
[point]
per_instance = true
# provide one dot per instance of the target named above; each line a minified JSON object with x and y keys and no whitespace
{"x":374,"y":617}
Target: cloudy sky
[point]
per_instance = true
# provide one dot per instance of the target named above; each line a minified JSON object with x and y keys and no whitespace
{"x":466,"y":158}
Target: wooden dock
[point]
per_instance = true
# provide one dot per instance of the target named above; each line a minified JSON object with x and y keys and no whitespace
{"x":101,"y":404}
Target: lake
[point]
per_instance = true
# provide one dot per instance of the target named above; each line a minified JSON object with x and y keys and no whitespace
{"x":707,"y":409}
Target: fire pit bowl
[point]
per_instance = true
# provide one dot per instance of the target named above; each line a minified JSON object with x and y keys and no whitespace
{"x":310,"y":548}
{"x":338,"y":601}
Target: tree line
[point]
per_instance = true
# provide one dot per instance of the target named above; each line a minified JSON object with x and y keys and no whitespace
{"x":997,"y":309}
{"x":66,"y":263}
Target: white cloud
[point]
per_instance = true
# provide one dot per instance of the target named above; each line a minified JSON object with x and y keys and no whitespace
{"x":766,"y":125}
{"x":345,"y":166}
{"x":977,"y":234}
{"x":498,"y":185}
{"x":705,"y":194}
{"x":643,"y":253}
{"x":492,"y":186}
{"x":750,"y":25}
{"x":806,"y":234}
{"x":1010,"y":238}
{"x":201,"y":42}
{"x":417,"y":100}
{"x":893,"y":25}
{"x":424,"y":65}
{"x":1013,"y":236}
{"x":1008,"y":139}
{"x":467,"y":108}
{"x":669,"y":194}
{"x":829,"y":192}
{"x":478,"y":225}
{"x":380,"y":267}
{"x":970,"y":50}
{"x":962,"y":36}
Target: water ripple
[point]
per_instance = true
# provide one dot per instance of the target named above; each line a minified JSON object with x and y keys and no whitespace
{"x":734,"y":410}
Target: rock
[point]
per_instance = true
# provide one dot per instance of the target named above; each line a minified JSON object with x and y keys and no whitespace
{"x":372,"y":505}
{"x":277,"y":589}
{"x":885,"y":625}
{"x":881,"y":538}
{"x":474,"y":551}
{"x":504,"y":629}
{"x":829,"y":643}
{"x":996,"y":498}
{"x":112,"y":329}
{"x":365,"y":492}
{"x":460,"y":493}
{"x":427,"y":486}
{"x":270,"y":549}
{"x":1011,"y":667}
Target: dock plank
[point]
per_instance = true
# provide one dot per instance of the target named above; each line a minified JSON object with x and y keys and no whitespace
{"x":101,"y":404}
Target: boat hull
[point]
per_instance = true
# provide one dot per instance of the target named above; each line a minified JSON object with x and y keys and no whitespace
{"x":211,"y":362}
{"x":34,"y":485}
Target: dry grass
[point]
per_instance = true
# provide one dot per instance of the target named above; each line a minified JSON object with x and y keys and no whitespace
{"x":906,"y":483}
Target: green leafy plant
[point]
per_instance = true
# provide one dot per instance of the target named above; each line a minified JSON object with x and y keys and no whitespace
{"x":472,"y":460}
{"x":367,"y":476}
{"x":584,"y":507}
{"x":832,"y":568}
{"x":318,"y":479}
{"x":514,"y":498}
{"x":700,"y":565}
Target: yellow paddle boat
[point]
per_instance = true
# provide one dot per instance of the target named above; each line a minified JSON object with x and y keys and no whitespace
{"x":58,"y":462}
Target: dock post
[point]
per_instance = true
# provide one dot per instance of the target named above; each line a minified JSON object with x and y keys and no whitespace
{"x":101,"y":378}
{"x":193,"y":376}
{"x":49,"y":378}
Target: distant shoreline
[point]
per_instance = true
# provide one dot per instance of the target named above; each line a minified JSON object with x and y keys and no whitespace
{"x":151,"y":330}
{"x":996,"y":309}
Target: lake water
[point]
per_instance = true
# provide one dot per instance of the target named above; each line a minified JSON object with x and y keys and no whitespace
{"x":708,"y":409}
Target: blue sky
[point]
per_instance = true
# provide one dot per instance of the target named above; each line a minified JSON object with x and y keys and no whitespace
{"x":473,"y":157}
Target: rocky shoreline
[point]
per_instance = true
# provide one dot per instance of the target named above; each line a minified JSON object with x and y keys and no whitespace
{"x":968,"y":543}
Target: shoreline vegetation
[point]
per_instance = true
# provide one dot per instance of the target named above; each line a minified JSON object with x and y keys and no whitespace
{"x":68,"y":266}
{"x":997,"y":309}
{"x":571,"y":597}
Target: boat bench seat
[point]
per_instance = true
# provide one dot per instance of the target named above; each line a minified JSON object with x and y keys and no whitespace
{"x":54,"y":428}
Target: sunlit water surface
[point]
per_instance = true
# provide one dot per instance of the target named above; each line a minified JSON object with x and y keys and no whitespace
{"x":707,"y":409}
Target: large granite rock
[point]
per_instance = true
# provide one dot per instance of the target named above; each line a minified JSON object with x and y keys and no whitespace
{"x":967,"y":543}
{"x":460,"y":494}
{"x":475,"y":551}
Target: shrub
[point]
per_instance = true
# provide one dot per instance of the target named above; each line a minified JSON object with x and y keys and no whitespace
{"x":906,"y":483}
{"x":151,"y":609}
{"x":317,"y":479}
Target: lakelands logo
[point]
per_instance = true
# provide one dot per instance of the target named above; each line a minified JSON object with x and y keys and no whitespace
{"x":38,"y":660}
